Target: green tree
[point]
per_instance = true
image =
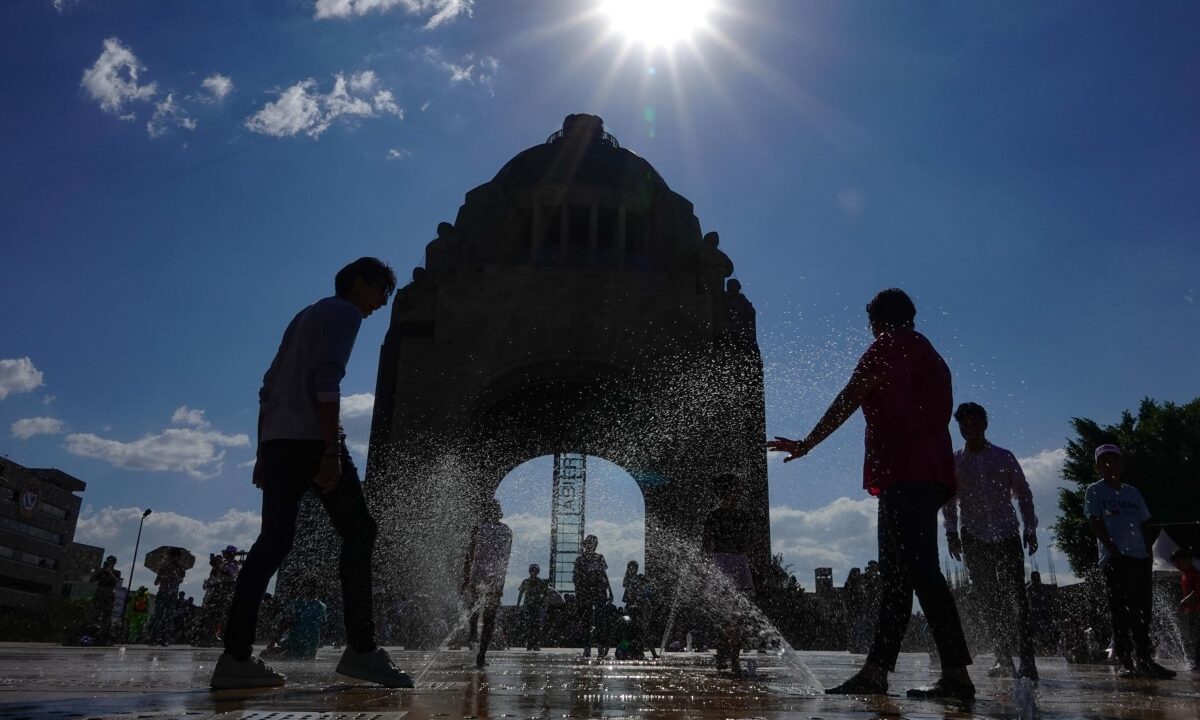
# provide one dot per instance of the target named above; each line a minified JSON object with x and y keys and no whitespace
{"x":1161,"y":446}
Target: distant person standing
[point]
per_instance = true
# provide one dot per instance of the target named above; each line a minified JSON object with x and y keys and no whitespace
{"x":725,"y":544}
{"x":163,"y":623}
{"x":531,"y":598}
{"x":592,"y":590}
{"x":989,"y":541}
{"x":903,"y":387}
{"x":1189,"y":606}
{"x":1119,"y":519}
{"x":301,"y":447}
{"x":483,"y":576}
{"x":137,"y":613}
{"x":104,"y":599}
{"x":638,"y":596}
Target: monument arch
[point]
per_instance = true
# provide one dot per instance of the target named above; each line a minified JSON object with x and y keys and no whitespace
{"x":574,"y":305}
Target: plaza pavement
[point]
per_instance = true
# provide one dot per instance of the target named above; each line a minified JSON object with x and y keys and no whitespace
{"x":50,"y":682}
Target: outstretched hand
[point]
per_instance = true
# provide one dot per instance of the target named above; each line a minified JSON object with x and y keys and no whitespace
{"x":1030,"y":540}
{"x":954,"y":546}
{"x":794,"y":448}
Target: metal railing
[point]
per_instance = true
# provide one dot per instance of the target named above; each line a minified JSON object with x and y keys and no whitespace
{"x":605,"y":138}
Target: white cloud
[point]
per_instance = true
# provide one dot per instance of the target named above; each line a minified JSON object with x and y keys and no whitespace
{"x":425,"y":105}
{"x":198,"y":453}
{"x":302,"y":108}
{"x":168,"y":113}
{"x":470,"y":69}
{"x":26,"y":428}
{"x":115,"y":530}
{"x":113,"y":80}
{"x":18,"y":375}
{"x":47,"y":399}
{"x":437,"y":12}
{"x":840,"y":535}
{"x":296,"y":111}
{"x":358,"y":405}
{"x":63,"y":6}
{"x":185,"y":415}
{"x":385,"y":103}
{"x":398,"y":154}
{"x":363,"y":81}
{"x":218,"y":85}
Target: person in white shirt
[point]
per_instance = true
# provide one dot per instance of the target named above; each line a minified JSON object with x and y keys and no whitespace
{"x":1120,"y":520}
{"x":988,"y":539}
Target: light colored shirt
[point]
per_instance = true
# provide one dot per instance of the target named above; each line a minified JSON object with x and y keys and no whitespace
{"x":308,"y":368}
{"x":1122,"y":511}
{"x":988,"y":481}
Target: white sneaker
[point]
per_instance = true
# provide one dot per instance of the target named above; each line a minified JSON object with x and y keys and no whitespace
{"x":375,"y":666}
{"x":231,"y":674}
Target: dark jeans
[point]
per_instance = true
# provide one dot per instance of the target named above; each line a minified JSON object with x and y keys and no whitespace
{"x":289,"y":467}
{"x":908,"y":563}
{"x":534,"y":620}
{"x":1191,"y":634}
{"x":997,"y":571}
{"x":1127,"y":584}
{"x":486,"y":611}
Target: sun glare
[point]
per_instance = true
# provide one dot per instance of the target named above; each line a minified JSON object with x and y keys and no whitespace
{"x":657,"y":22}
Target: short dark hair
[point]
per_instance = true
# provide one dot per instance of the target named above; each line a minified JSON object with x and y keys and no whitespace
{"x":373,"y":271}
{"x":892,"y":308}
{"x":970,"y":409}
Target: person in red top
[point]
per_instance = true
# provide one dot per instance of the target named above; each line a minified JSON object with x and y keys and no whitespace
{"x":903,"y":388}
{"x":1189,"y":579}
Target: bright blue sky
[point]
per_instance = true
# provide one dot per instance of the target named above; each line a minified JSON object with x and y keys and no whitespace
{"x":1029,"y":172}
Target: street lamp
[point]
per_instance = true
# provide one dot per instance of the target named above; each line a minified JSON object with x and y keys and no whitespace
{"x":132,"y":565}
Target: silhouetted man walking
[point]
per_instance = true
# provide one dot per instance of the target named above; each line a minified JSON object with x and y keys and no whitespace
{"x":301,"y":447}
{"x":989,"y":478}
{"x":903,"y":388}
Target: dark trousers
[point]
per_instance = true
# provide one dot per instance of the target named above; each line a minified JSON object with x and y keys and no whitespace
{"x":486,"y":612}
{"x":289,"y":467}
{"x":534,"y":616}
{"x":1191,"y":634}
{"x":1127,"y":584}
{"x":908,"y":563}
{"x":997,"y":571}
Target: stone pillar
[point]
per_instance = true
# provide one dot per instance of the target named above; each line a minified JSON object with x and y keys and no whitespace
{"x":539,"y":232}
{"x":620,"y":252}
{"x":564,"y":228}
{"x":593,"y":231}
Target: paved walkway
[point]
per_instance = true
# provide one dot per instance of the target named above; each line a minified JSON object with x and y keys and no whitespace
{"x":49,"y":682}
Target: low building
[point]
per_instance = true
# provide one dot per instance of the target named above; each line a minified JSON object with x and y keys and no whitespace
{"x":39,"y":508}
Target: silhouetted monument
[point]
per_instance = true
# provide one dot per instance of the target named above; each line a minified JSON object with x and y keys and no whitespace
{"x":573,"y":306}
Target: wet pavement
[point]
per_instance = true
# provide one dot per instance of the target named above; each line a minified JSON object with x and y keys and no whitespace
{"x":44,"y":681}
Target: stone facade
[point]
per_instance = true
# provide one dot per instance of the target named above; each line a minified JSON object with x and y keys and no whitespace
{"x":574,"y":305}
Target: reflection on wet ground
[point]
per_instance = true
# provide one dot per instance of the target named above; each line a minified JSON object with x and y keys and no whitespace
{"x":42,"y":681}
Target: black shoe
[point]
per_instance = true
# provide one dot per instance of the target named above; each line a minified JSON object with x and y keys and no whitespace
{"x":858,"y":684}
{"x":944,"y":689}
{"x":1127,"y":670}
{"x":480,"y":661}
{"x":1151,"y":669}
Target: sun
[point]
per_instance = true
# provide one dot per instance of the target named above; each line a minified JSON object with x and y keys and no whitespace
{"x":657,"y":23}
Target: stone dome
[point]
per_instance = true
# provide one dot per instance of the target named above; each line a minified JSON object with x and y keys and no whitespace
{"x":581,"y":153}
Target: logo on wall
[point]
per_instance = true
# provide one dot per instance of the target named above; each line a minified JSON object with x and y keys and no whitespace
{"x":29,"y":498}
